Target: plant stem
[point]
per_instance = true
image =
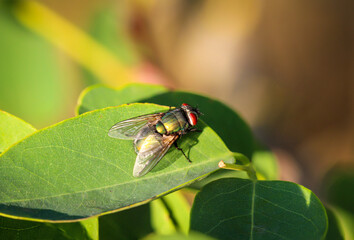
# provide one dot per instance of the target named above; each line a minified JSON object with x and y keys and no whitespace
{"x":247,"y":165}
{"x":242,"y":158}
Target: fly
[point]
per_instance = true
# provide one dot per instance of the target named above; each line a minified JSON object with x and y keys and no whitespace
{"x":153,"y":134}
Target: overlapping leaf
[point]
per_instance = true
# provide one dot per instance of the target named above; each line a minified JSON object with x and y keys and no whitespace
{"x":223,"y":120}
{"x":12,"y":129}
{"x":340,"y":224}
{"x":338,"y":188}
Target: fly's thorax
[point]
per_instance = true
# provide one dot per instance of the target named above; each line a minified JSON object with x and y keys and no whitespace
{"x":172,"y":122}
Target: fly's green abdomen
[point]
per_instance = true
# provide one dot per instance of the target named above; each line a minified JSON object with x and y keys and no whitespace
{"x":172,"y":122}
{"x":160,"y":128}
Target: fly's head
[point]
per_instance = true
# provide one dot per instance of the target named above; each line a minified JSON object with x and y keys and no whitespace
{"x":192,"y":113}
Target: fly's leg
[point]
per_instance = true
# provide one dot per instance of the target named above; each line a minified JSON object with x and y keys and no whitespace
{"x":195,"y":130}
{"x":180,"y":149}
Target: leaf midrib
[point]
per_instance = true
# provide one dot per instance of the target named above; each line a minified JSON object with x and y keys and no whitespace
{"x":123,"y":183}
{"x":252,"y":208}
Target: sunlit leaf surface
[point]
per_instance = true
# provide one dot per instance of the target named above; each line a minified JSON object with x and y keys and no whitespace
{"x":13,"y":129}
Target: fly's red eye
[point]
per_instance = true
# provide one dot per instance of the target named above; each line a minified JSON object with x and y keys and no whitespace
{"x":185,"y":104}
{"x":192,"y":119}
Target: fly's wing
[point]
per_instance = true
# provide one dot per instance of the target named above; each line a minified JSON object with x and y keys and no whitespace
{"x":129,"y":129}
{"x":140,"y":138}
{"x":150,"y":151}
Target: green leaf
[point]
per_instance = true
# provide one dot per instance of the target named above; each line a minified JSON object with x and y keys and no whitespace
{"x":161,"y":219}
{"x":223,"y":120}
{"x":179,"y":209}
{"x":74,"y":170}
{"x":12,"y":129}
{"x":21,"y":229}
{"x":134,"y":223}
{"x":340,"y":224}
{"x":90,"y":227}
{"x":85,"y":229}
{"x":265,"y":163}
{"x":245,"y":209}
{"x":339,"y":188}
{"x":170,"y":214}
{"x":334,"y":228}
{"x":97,"y":96}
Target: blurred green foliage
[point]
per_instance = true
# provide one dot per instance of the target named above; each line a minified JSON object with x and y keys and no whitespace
{"x":32,"y":84}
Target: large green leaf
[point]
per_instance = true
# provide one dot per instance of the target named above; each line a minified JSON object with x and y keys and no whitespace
{"x":12,"y":129}
{"x":73,"y":170}
{"x":245,"y":209}
{"x":223,"y":120}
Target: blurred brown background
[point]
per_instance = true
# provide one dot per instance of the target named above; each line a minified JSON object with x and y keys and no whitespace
{"x":286,"y":66}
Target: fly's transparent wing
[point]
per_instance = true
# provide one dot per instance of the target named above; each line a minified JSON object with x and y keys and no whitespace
{"x":150,"y":151}
{"x":129,"y":129}
{"x":140,"y":138}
